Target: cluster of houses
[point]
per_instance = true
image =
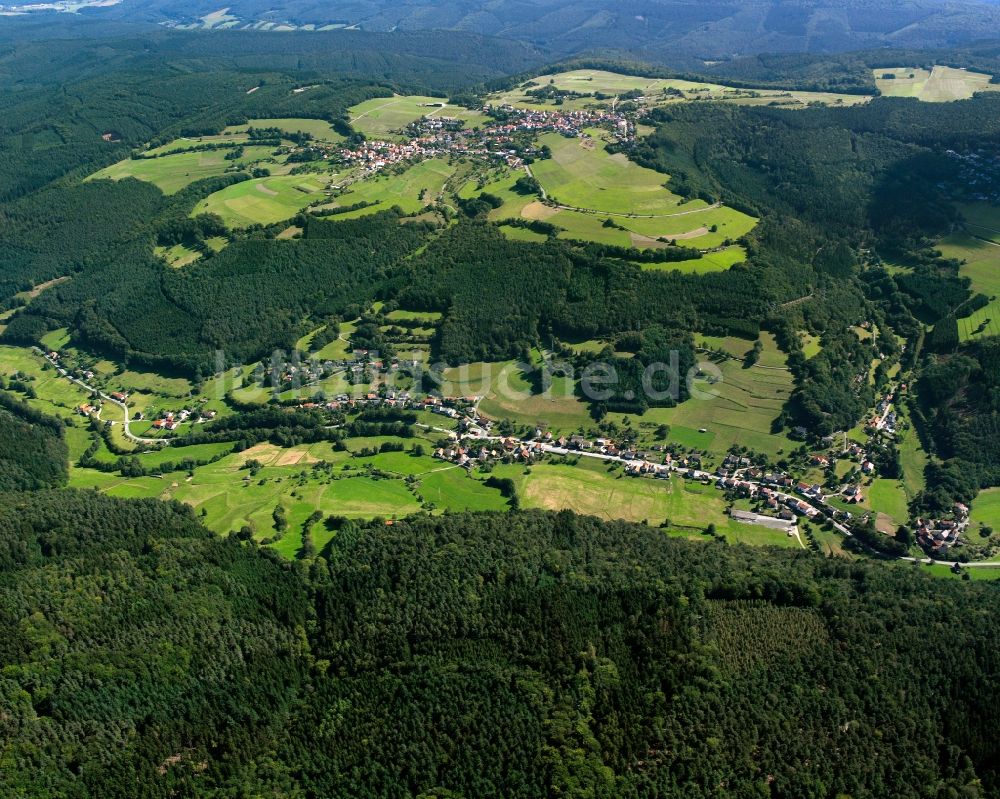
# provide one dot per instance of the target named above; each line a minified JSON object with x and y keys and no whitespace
{"x":885,"y":417}
{"x":939,"y":535}
{"x":441,"y":136}
{"x":568,"y":123}
{"x":508,"y":450}
{"x":170,"y":420}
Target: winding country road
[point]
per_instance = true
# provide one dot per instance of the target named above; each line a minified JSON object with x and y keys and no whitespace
{"x":94,"y":390}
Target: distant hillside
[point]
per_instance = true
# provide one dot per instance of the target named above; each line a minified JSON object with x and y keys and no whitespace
{"x":662,"y":30}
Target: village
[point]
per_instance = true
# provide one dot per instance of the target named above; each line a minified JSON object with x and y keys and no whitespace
{"x":779,"y":499}
{"x":503,"y":139}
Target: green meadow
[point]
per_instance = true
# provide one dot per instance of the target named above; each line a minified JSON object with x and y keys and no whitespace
{"x":302,"y":479}
{"x":412,"y":189}
{"x":982,"y":266}
{"x":319,"y":129}
{"x":384,"y":117}
{"x":733,"y":404}
{"x":171,"y":173}
{"x":655,"y":91}
{"x":986,"y":509}
{"x":178,"y":255}
{"x":611,"y":200}
{"x":56,"y":395}
{"x":583,"y":174}
{"x":592,"y":487}
{"x":265,"y":201}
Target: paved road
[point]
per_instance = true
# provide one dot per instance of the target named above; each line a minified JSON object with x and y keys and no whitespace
{"x":125,"y":412}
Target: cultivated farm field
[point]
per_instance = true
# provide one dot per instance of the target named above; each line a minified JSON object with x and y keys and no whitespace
{"x":939,"y":85}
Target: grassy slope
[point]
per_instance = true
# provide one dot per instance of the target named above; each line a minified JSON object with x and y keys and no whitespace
{"x":591,"y":487}
{"x":265,"y":200}
{"x":382,"y":117}
{"x":171,"y":173}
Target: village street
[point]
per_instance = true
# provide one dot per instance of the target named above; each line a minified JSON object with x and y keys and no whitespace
{"x":107,"y":398}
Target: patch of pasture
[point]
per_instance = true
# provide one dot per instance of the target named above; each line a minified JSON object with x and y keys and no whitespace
{"x":177,"y":256}
{"x":319,"y":129}
{"x":982,"y":266}
{"x":171,"y":173}
{"x":265,"y":201}
{"x":581,"y":173}
{"x":740,"y":408}
{"x":384,"y":117}
{"x":986,"y":509}
{"x":655,"y":91}
{"x":420,"y":316}
{"x":888,"y":497}
{"x":522,"y":234}
{"x":411,"y":190}
{"x":55,"y":395}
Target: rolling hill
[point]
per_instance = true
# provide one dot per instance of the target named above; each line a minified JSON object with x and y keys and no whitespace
{"x":661,"y":30}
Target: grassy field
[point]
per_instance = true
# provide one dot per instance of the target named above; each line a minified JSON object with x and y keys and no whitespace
{"x":945,"y":572}
{"x":656,"y":91}
{"x":888,"y":497}
{"x":986,"y":509}
{"x":737,"y":409}
{"x":319,"y":129}
{"x":265,"y":200}
{"x":591,"y":487}
{"x":56,"y":396}
{"x":522,"y":234}
{"x":351,"y":487}
{"x":383,"y":117}
{"x":420,"y":316}
{"x":810,"y":344}
{"x":171,"y":173}
{"x":982,"y":267}
{"x":582,"y":175}
{"x":177,"y":256}
{"x":982,"y":220}
{"x":726,"y":257}
{"x":411,"y":190}
{"x":939,"y":85}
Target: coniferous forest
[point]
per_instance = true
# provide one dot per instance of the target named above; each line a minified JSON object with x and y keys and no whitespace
{"x":528,"y":655}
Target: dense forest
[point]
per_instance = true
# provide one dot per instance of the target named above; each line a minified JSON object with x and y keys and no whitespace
{"x":960,"y":404}
{"x":523,"y":654}
{"x":829,"y":183}
{"x":533,"y":290}
{"x":33,"y":454}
